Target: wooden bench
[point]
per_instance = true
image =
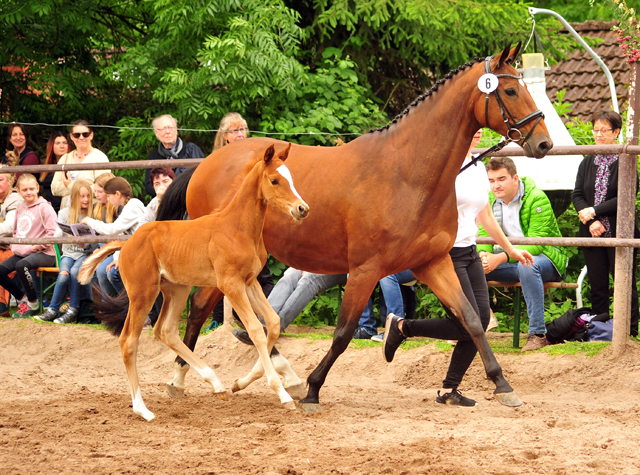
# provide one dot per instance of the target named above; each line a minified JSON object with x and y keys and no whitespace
{"x":516,"y":300}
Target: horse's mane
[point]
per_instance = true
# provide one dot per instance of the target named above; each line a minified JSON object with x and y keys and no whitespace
{"x":236,"y":184}
{"x":428,"y":93}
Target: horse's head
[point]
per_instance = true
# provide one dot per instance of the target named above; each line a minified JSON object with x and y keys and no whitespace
{"x":506,"y":106}
{"x":277,"y":185}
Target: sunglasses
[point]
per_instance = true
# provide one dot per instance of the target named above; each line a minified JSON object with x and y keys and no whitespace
{"x":77,"y":135}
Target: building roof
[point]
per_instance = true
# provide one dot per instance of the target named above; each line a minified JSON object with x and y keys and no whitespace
{"x":587,"y":88}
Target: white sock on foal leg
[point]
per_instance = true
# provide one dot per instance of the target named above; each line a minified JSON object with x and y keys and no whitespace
{"x":139,"y":408}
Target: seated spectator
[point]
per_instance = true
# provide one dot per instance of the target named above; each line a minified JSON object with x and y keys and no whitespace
{"x":394,"y":301}
{"x":73,"y":255}
{"x":292,"y":294}
{"x":171,"y":147}
{"x":119,"y":193}
{"x":161,"y":179}
{"x":81,"y":135}
{"x":102,"y":209}
{"x":9,"y":202}
{"x":18,"y":142}
{"x":231,"y":129}
{"x":57,"y":146}
{"x":35,"y":218}
{"x":522,"y":209}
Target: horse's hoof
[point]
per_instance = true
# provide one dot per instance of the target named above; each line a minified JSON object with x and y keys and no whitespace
{"x":508,"y":399}
{"x":309,"y":407}
{"x":222,"y":395}
{"x":289,"y":405}
{"x":175,"y":391}
{"x":235,"y":387}
{"x":297,"y":391}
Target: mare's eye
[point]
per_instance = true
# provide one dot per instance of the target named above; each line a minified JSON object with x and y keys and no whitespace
{"x":511,"y":92}
{"x":274,"y":181}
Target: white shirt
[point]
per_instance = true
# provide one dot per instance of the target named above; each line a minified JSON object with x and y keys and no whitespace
{"x":472,"y":195}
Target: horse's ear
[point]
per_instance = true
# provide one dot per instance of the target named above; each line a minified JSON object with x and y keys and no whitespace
{"x":268,"y":154}
{"x":285,"y":153}
{"x":513,"y":54}
{"x":504,"y":56}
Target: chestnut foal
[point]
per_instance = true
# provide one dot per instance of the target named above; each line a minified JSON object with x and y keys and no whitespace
{"x":223,"y":250}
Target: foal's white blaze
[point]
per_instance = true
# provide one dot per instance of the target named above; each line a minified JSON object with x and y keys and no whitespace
{"x":285,"y":172}
{"x":139,"y":408}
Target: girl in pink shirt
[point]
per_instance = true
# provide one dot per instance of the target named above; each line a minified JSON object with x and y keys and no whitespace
{"x":35,"y":218}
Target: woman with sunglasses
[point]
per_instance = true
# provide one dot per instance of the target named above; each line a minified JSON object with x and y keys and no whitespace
{"x":81,"y":135}
{"x":18,"y":142}
{"x":595,"y":198}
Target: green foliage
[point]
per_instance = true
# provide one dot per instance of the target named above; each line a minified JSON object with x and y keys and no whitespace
{"x":322,"y":310}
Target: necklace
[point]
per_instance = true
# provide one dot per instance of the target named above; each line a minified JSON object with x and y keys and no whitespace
{"x":81,"y":156}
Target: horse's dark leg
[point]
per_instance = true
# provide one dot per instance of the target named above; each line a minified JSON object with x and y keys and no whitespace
{"x":202,"y":303}
{"x":356,"y":294}
{"x":443,"y":281}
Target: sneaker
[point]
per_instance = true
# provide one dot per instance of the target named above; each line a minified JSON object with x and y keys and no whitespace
{"x":48,"y":316}
{"x":24,"y":311}
{"x":70,"y":316}
{"x":393,"y":337}
{"x":13,"y":302}
{"x":454,"y":398}
{"x":242,"y":335}
{"x":4,"y":310}
{"x":535,"y":342}
{"x":379,"y":337}
{"x":147,"y":324}
{"x":363,"y":333}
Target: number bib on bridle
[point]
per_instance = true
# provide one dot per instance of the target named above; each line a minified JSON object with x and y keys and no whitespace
{"x":488,"y":84}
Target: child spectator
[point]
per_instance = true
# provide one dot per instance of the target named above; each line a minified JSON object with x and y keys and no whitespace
{"x":81,"y":205}
{"x":119,"y":193}
{"x":9,"y":201}
{"x":103,"y":210}
{"x":35,"y":218}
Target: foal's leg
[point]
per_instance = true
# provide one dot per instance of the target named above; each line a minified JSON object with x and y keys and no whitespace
{"x":292,"y":383}
{"x":139,"y":307}
{"x":202,"y":303}
{"x":443,"y":281}
{"x":236,"y":292}
{"x":356,"y":294}
{"x":166,"y":329}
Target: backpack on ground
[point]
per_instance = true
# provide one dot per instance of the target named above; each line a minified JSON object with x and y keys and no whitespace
{"x":568,"y":327}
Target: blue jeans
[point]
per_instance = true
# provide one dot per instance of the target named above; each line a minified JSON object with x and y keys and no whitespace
{"x":532,"y":280}
{"x":114,"y":277}
{"x":296,"y":289}
{"x":68,"y":279}
{"x":390,"y":287}
{"x":105,"y":284}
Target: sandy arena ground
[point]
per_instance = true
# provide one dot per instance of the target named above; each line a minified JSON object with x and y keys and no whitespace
{"x":66,"y":409}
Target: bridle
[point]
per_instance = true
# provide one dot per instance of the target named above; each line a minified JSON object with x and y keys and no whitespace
{"x":513,"y":126}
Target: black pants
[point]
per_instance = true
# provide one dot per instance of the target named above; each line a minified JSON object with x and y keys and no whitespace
{"x":266,"y":282}
{"x":23,"y":266}
{"x":468,"y":267}
{"x":601,"y":262}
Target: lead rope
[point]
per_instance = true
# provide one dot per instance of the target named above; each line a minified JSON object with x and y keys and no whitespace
{"x":475,"y":160}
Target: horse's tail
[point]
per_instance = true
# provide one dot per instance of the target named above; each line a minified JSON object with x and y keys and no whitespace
{"x":173,"y":206}
{"x":93,"y":261}
{"x":111,"y":311}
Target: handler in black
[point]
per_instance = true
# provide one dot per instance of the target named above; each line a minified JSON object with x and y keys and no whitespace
{"x":170,"y":147}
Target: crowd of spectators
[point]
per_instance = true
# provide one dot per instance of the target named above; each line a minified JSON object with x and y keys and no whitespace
{"x":106,"y":204}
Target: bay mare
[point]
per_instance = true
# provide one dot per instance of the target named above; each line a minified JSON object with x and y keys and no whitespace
{"x":383,"y":203}
{"x":223,"y":249}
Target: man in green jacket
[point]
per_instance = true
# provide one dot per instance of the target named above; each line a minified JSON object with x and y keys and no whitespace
{"x":522,"y":210}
